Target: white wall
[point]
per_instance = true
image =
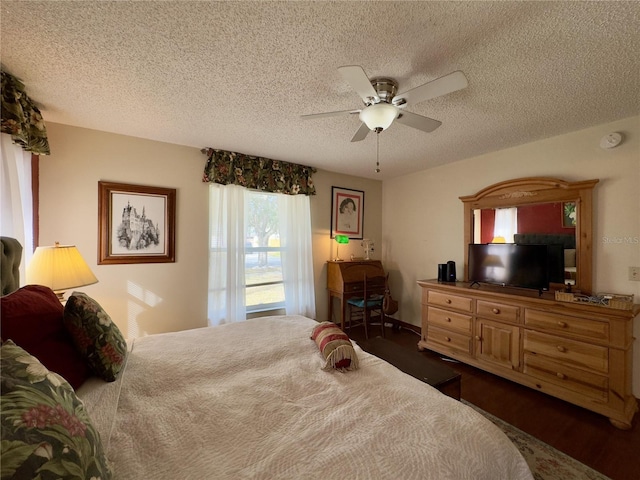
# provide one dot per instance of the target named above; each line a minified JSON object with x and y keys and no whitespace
{"x":423,"y":216}
{"x":324,"y":248}
{"x":153,"y":298}
{"x":140,"y":298}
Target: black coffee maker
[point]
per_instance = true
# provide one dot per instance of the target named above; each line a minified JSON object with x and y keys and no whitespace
{"x":447,"y":271}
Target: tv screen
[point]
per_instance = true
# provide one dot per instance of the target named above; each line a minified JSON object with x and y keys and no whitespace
{"x":510,"y":264}
{"x":555,"y":258}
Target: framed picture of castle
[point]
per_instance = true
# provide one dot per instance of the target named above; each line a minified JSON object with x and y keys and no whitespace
{"x":136,"y":224}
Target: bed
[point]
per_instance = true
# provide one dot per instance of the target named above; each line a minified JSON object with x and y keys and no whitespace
{"x":255,"y":400}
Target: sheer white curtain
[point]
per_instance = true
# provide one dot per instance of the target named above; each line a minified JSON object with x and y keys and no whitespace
{"x":16,"y":213}
{"x":506,"y":224}
{"x":226,"y":254}
{"x":227,"y":234}
{"x":297,"y":257}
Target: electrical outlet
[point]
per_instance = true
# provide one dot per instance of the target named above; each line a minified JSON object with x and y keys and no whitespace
{"x":634,"y":274}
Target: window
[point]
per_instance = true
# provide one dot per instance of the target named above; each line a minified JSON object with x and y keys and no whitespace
{"x":506,"y":224}
{"x":263,"y":253}
{"x":260,"y":254}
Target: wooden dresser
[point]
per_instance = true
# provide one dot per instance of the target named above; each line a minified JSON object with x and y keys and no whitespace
{"x":580,"y":353}
{"x":345,"y":280}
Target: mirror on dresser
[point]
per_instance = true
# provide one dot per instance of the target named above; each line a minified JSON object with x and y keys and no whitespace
{"x":550,"y":210}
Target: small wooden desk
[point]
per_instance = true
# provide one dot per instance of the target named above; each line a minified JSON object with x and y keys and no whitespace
{"x":415,"y":364}
{"x":345,"y":280}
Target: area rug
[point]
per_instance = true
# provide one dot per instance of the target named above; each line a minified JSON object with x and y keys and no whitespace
{"x":545,"y":462}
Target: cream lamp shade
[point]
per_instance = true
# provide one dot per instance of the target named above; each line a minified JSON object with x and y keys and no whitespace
{"x":379,"y":116}
{"x":60,"y":268}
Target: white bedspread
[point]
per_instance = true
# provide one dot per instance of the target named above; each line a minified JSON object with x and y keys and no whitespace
{"x":250,"y":400}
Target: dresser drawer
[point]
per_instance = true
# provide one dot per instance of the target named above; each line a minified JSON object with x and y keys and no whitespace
{"x":354,"y":287}
{"x":498,"y":311}
{"x":456,"y":342}
{"x":585,"y":383}
{"x":583,"y":327}
{"x":449,"y":320}
{"x":450,"y":301}
{"x":569,"y":352}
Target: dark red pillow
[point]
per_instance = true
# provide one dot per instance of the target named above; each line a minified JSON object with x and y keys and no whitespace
{"x":32,"y":318}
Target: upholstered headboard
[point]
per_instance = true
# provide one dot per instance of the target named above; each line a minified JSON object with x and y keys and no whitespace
{"x":10,"y":257}
{"x":564,"y":239}
{"x":567,"y":241}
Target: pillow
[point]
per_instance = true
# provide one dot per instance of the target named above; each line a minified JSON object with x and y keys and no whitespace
{"x":335,"y":347}
{"x":46,"y":431}
{"x":32,"y":318}
{"x":96,"y":337}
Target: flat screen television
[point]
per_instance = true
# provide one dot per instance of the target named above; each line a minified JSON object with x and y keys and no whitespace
{"x":510,"y":264}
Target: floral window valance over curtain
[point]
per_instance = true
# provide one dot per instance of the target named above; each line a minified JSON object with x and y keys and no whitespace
{"x":258,"y":173}
{"x":21,"y":118}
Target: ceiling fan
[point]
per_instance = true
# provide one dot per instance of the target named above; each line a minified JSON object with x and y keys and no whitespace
{"x":383,"y":105}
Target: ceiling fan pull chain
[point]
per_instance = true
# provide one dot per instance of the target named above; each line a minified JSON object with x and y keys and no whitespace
{"x":377,"y":170}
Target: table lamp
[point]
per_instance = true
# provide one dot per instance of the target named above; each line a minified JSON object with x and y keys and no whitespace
{"x":60,"y":268}
{"x":340,"y":239}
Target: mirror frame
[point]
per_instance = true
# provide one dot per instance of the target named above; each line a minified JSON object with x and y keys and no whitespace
{"x":532,"y":190}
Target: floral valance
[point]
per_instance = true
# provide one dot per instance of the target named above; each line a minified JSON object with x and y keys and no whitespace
{"x":21,"y":118}
{"x":259,"y":173}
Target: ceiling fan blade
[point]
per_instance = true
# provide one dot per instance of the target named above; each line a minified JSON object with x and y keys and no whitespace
{"x":414,"y":120}
{"x":361,"y":134}
{"x":355,"y":76}
{"x":435,"y":88}
{"x":328,"y":114}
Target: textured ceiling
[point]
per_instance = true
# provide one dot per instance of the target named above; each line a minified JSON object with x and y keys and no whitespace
{"x":238,"y":75}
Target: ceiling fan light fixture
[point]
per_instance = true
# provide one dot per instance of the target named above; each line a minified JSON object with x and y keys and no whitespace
{"x":379,"y":116}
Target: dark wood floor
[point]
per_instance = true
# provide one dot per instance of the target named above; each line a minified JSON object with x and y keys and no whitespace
{"x":584,"y":435}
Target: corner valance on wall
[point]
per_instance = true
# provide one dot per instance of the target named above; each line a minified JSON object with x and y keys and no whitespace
{"x":259,"y":173}
{"x":21,"y":118}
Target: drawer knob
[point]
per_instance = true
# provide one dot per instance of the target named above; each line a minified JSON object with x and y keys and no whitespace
{"x":561,"y":348}
{"x":561,"y":375}
{"x":448,"y":300}
{"x":448,"y":319}
{"x":562,"y":324}
{"x":447,"y":339}
{"x":478,"y":338}
{"x":495,"y":310}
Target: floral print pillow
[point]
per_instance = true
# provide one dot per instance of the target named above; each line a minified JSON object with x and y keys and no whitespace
{"x":96,"y":337}
{"x":46,"y":431}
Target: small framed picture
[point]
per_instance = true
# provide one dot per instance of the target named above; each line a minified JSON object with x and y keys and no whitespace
{"x":347,"y":212}
{"x":136,"y":224}
{"x":569,"y":214}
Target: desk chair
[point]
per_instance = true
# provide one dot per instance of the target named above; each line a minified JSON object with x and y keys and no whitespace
{"x":370,"y":304}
